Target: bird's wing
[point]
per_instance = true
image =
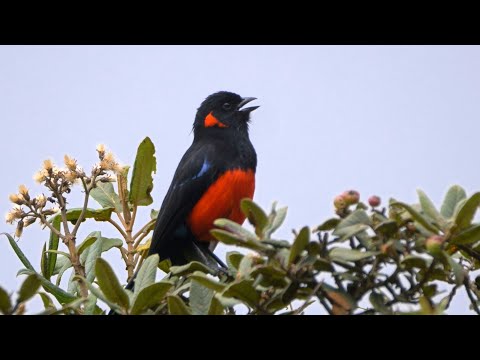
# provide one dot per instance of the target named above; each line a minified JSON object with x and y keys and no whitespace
{"x":195,"y":173}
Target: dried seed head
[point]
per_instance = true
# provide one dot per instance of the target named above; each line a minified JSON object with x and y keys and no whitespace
{"x":109,"y":163}
{"x":109,"y":157}
{"x":40,"y":176}
{"x":71,"y":176}
{"x":70,"y":163}
{"x":41,"y":200}
{"x":22,"y":189}
{"x":17,"y":199}
{"x":29,"y":221}
{"x":17,"y":212}
{"x":9,"y":217}
{"x":19,"y":230}
{"x":48,"y":164}
{"x":101,"y":151}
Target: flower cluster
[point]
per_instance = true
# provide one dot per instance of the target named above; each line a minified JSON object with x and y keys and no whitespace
{"x":107,"y":160}
{"x":58,"y":181}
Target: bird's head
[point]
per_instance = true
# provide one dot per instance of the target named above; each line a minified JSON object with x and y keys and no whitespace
{"x":221,"y":111}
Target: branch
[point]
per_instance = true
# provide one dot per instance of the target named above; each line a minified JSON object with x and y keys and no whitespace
{"x":115,"y":224}
{"x":85,"y":206}
{"x":466,"y":283}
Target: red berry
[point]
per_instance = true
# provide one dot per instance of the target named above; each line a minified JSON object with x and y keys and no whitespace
{"x":352,"y":197}
{"x":434,"y":244}
{"x":339,"y":202}
{"x":374,"y":201}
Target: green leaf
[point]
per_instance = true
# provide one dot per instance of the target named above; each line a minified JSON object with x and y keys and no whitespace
{"x":200,"y":298}
{"x":61,"y":295}
{"x":105,"y":195}
{"x":235,"y":228}
{"x":176,"y":306}
{"x":60,"y":263}
{"x":359,"y":216}
{"x":53,"y":245}
{"x":146,"y":274}
{"x":245,"y":267}
{"x":378,"y":302}
{"x":330,"y":224}
{"x":417,"y":217}
{"x":91,"y":305}
{"x":226,"y":301}
{"x":207,"y":281}
{"x":216,"y":307}
{"x":67,"y":255}
{"x":150,"y":296}
{"x":412,"y":261}
{"x":243,"y":291}
{"x":142,"y":181}
{"x":343,"y":254}
{"x":277,"y":243}
{"x":154,"y":214}
{"x":5,"y":302}
{"x":67,"y":265}
{"x":90,"y":255}
{"x":255,"y":215}
{"x":233,"y":260}
{"x":271,"y":275}
{"x":467,"y":236}
{"x":355,"y":223}
{"x":29,"y":288}
{"x":454,"y":195}
{"x":98,"y":293}
{"x":19,"y":252}
{"x":231,"y":239}
{"x":47,"y":301}
{"x":44,"y":261}
{"x":429,"y":209}
{"x":86,"y":243}
{"x":299,"y":244}
{"x":467,"y":211}
{"x":349,"y":231}
{"x":190,"y":268}
{"x":109,"y":284}
{"x":457,"y":270}
{"x":275,"y":219}
{"x":97,"y":214}
{"x":388,"y":227}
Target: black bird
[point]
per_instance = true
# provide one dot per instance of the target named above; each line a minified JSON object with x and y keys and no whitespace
{"x":215,"y":173}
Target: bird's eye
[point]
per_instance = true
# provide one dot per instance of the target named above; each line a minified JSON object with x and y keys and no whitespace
{"x":227,"y":106}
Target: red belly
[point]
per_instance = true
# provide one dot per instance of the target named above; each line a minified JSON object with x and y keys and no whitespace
{"x":221,"y":200}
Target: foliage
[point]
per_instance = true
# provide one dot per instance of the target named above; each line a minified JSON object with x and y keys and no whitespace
{"x":402,"y":259}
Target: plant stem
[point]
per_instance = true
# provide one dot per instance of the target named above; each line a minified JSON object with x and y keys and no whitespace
{"x":117,"y":226}
{"x":129,"y":240}
{"x":466,"y":283}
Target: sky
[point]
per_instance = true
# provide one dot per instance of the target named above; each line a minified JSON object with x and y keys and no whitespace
{"x":383,"y":120}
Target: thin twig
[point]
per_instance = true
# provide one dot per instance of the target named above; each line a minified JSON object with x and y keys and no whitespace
{"x":144,"y":228}
{"x":139,"y":240}
{"x":115,"y":224}
{"x":85,"y":206}
{"x":466,"y":283}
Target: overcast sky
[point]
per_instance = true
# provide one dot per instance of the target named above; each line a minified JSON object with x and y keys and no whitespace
{"x":383,"y":120}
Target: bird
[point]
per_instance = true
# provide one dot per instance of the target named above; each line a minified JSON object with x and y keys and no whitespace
{"x":213,"y":176}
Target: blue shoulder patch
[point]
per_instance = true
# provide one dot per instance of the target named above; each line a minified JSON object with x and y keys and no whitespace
{"x":205,"y":166}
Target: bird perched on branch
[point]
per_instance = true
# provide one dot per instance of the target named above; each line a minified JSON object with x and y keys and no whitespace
{"x":214,"y":174}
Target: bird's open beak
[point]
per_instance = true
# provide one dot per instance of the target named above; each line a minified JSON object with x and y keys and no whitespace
{"x":245,"y":101}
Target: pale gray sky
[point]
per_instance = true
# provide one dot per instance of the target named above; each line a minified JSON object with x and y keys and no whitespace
{"x":379,"y":119}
